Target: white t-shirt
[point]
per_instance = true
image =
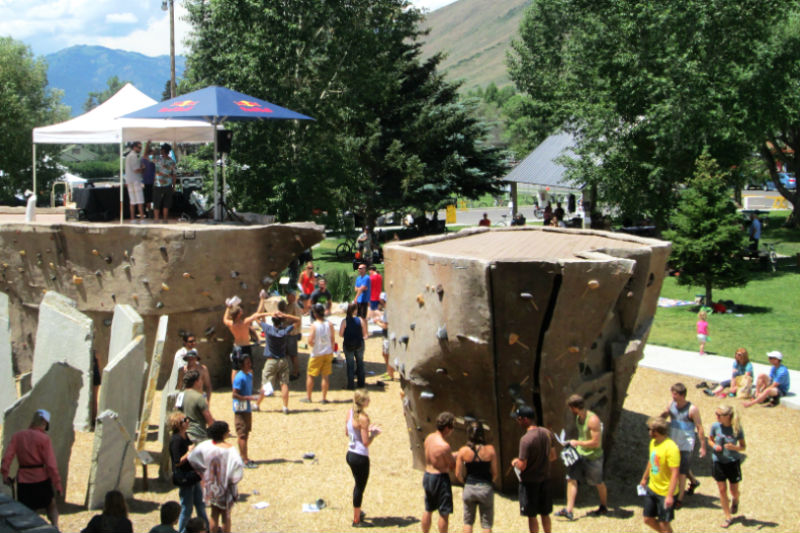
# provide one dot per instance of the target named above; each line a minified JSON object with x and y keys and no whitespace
{"x":133,"y":162}
{"x":323,"y":344}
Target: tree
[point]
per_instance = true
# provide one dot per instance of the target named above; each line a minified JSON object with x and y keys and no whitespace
{"x":707,"y":238}
{"x":25,"y":103}
{"x":645,"y":86}
{"x":95,"y":98}
{"x":389,"y":133}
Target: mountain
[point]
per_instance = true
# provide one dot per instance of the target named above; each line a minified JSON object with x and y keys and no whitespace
{"x":474,"y":35}
{"x":79,"y":70}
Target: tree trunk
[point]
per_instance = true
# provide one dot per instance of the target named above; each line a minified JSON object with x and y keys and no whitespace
{"x":709,"y":301}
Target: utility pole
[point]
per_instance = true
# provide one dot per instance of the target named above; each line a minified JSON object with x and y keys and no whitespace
{"x":171,"y":4}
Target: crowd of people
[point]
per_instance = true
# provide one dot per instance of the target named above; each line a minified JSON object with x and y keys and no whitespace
{"x":150,"y":180}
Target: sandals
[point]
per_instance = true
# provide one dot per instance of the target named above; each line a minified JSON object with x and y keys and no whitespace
{"x":727,"y":523}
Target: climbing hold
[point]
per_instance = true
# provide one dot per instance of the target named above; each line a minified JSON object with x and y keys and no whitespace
{"x":234,"y":274}
{"x":125,"y":253}
{"x":513,"y":338}
{"x":441,"y":371}
{"x":136,"y":298}
{"x":51,"y":265}
{"x":593,"y":284}
{"x":209,"y":331}
{"x":440,"y":290}
{"x":95,"y":252}
{"x":98,"y":273}
{"x":126,"y":267}
{"x":420,"y":300}
{"x":159,"y":305}
{"x":441,"y":333}
{"x":243,"y":285}
{"x":186,"y":275}
{"x":77,"y":280}
{"x":273,"y":274}
{"x":404,"y":339}
{"x":164,"y":287}
{"x":107,"y":322}
{"x":205,"y":293}
{"x":108,"y":259}
{"x":630,"y":294}
{"x":573,"y":349}
{"x":412,"y":326}
{"x":426,"y":395}
{"x":53,"y":278}
{"x":163,"y":249}
{"x":22,"y":253}
{"x":113,"y":297}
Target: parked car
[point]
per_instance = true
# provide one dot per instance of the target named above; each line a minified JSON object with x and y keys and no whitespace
{"x":787,"y":179}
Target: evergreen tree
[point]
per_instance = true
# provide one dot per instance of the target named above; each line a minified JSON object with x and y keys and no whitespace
{"x":707,"y":237}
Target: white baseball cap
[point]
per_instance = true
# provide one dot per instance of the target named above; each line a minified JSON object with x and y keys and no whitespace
{"x":44,"y":414}
{"x":775,"y":355}
{"x":383,"y":296}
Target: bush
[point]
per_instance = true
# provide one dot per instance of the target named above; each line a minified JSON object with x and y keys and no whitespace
{"x":341,"y":284}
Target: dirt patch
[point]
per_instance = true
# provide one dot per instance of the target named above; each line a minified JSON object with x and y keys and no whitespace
{"x":393,"y":498}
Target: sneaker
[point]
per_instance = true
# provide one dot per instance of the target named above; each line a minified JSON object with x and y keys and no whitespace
{"x":600,"y":511}
{"x":250,"y":464}
{"x":566,"y":514}
{"x":324,"y":401}
{"x":305,"y":400}
{"x":286,"y":410}
{"x":692,"y":486}
{"x":361,"y":524}
{"x":708,"y":392}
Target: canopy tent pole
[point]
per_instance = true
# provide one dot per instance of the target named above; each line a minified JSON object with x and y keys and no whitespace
{"x":121,"y":192}
{"x":33,"y":167}
{"x":217,"y":207}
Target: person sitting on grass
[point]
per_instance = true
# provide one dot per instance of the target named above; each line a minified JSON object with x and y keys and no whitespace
{"x":773,"y":386}
{"x":741,"y":367}
{"x":170,"y":512}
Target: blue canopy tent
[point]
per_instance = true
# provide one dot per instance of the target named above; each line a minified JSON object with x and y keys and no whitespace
{"x":217,"y":105}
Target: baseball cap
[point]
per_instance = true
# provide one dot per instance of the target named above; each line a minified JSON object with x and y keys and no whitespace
{"x":775,"y":355}
{"x":383,"y":296}
{"x":526,"y":412}
{"x":190,"y":353}
{"x":44,"y":414}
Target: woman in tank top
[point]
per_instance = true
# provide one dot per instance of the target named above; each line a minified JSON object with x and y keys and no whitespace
{"x":360,"y":433}
{"x":476,"y":467}
{"x":353,"y":331}
{"x":320,"y":363}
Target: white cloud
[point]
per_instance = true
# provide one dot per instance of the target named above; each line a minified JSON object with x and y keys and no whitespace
{"x":430,"y":5}
{"x":121,"y":18}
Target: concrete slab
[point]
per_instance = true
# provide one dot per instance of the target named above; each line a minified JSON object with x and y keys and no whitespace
{"x":125,"y":326}
{"x":112,"y":466}
{"x":710,"y":368}
{"x":65,"y":334}
{"x":8,"y":389}
{"x":57,"y":391}
{"x":122,"y":385}
{"x":170,"y":389}
{"x":164,"y":435}
{"x":151,"y":381}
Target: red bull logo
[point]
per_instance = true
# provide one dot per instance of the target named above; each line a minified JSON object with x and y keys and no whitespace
{"x":179,"y":106}
{"x":252,"y":107}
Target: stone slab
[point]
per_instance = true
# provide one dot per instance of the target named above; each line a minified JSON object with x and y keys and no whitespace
{"x":126,"y":325}
{"x":112,"y":466}
{"x":25,"y":383}
{"x":170,"y":387}
{"x":122,"y":384}
{"x":151,"y":381}
{"x":65,"y":334}
{"x":8,"y":390}
{"x":57,"y":391}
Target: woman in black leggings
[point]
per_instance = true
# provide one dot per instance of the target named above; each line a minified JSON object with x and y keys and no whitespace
{"x":361,"y":434}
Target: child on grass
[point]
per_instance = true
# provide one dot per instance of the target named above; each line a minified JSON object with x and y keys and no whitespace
{"x":702,"y":330}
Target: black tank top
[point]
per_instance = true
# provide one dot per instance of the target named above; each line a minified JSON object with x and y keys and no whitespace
{"x":478,"y":471}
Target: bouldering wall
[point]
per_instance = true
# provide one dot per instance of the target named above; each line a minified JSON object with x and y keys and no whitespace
{"x":486,"y":320}
{"x":182,"y":270}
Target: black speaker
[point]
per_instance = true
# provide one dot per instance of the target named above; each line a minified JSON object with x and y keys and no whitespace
{"x":224,"y":139}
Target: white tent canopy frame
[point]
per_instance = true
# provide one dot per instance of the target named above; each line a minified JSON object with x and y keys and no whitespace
{"x":102,"y":125}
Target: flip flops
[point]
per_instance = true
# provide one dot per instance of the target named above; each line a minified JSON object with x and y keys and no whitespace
{"x":727,"y":523}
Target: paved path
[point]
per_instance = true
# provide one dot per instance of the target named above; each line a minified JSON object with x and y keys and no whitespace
{"x":710,"y":368}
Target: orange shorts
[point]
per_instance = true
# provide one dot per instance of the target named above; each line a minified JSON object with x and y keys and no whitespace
{"x":322,"y":364}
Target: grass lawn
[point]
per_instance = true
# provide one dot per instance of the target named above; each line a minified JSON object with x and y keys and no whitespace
{"x":767,"y":308}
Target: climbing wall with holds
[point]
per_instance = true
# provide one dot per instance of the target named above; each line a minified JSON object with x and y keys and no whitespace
{"x":182,"y":270}
{"x":484,"y":321}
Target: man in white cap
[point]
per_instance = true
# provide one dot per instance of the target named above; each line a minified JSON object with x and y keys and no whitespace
{"x":38,"y":471}
{"x":771,"y":387}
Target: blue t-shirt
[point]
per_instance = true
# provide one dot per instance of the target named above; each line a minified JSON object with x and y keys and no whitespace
{"x":363,"y":281}
{"x":722,"y":435}
{"x":741,"y":370}
{"x":277,"y":339}
{"x":242,"y":384}
{"x":780,"y":375}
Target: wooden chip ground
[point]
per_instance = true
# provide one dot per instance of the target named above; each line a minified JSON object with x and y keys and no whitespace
{"x":394,"y":500}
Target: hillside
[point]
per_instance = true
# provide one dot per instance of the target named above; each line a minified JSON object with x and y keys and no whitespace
{"x":79,"y":70}
{"x":474,"y":35}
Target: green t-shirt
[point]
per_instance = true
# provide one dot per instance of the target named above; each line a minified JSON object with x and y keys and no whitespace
{"x":194,"y":404}
{"x":585,"y":434}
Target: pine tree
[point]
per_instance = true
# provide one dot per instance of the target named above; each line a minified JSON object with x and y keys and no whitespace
{"x":707,"y":237}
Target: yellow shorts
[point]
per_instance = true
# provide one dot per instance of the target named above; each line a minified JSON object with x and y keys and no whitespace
{"x":322,"y":364}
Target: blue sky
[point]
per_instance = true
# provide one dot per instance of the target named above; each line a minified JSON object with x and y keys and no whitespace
{"x":137,"y":25}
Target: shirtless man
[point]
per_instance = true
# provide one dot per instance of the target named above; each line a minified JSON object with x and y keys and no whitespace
{"x":439,"y":461}
{"x":193,"y":363}
{"x":239,"y":326}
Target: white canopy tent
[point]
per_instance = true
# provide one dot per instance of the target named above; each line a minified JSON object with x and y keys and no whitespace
{"x":102,"y":125}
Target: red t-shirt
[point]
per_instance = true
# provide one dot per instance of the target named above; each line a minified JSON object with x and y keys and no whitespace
{"x":375,"y":286}
{"x":307,"y":283}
